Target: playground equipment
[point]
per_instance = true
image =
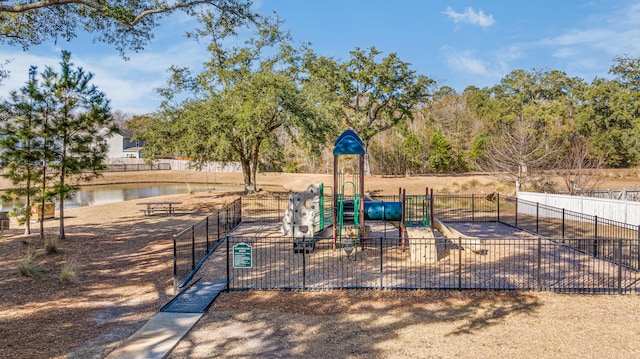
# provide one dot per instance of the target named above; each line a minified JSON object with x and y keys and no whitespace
{"x":309,"y":212}
{"x":471,"y":243}
{"x":303,"y":210}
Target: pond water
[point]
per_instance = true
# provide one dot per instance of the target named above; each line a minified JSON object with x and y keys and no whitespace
{"x":93,"y":195}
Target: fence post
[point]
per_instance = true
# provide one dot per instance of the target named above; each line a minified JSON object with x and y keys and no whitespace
{"x":218,"y":226}
{"x":638,"y":246}
{"x":228,"y":269}
{"x":207,"y":231}
{"x":175,"y":265}
{"x":537,"y":217}
{"x":304,"y":263}
{"x":498,"y":207}
{"x":473,"y":207}
{"x":459,"y":262}
{"x":381,"y":270}
{"x":563,"y":224}
{"x":595,"y":238}
{"x":516,"y":221}
{"x":227,"y":224}
{"x":431,"y":199}
{"x":539,"y":264}
{"x":619,"y":255}
{"x":193,"y":246}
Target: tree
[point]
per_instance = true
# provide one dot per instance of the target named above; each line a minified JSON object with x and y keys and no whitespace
{"x":441,"y":158}
{"x":237,"y":104}
{"x":519,"y":153}
{"x":378,"y":95}
{"x":20,"y":148}
{"x":607,"y":119}
{"x":527,"y":121}
{"x":578,"y":168}
{"x":58,"y":134}
{"x":77,"y":114}
{"x":128,"y":25}
{"x":398,"y":151}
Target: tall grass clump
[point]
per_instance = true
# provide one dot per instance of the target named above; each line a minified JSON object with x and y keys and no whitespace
{"x":51,"y":244}
{"x":69,"y":270}
{"x":28,"y":267}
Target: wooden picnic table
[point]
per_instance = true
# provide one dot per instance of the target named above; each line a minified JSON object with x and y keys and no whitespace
{"x":163,"y":206}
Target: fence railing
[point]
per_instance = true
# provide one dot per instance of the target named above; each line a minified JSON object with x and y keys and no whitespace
{"x":623,"y":194}
{"x":192,"y":245}
{"x":575,"y":252}
{"x":586,"y":233}
{"x":130,"y":167}
{"x":514,"y":263}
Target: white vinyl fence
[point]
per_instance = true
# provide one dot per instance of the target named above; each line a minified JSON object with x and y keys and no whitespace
{"x":616,"y":210}
{"x":179,"y":165}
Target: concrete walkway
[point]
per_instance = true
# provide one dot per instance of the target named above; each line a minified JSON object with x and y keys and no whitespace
{"x":162,"y":333}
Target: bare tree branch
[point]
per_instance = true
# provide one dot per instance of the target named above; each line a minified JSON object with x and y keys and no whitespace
{"x":578,"y":169}
{"x":520,"y":152}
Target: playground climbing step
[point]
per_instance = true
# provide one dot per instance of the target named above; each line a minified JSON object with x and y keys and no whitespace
{"x":158,"y":337}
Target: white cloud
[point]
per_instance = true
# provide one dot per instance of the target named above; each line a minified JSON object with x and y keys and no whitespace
{"x":129,"y":85}
{"x":466,"y":62}
{"x":591,"y":49}
{"x":469,"y":68}
{"x":470,"y":16}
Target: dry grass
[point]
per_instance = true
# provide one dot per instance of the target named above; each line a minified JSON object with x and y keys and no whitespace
{"x":126,"y":276}
{"x":70,"y":270}
{"x":29,"y":267}
{"x":414,"y":324}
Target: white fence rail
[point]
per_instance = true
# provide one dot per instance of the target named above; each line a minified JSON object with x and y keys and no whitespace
{"x":182,"y":165}
{"x":616,"y":210}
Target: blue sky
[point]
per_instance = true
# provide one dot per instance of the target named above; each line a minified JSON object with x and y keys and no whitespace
{"x":457,"y":43}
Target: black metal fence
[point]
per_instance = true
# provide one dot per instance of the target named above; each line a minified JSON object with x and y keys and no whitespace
{"x":192,"y":245}
{"x":467,"y":208}
{"x":264,"y":209}
{"x":583,"y":232}
{"x":575,"y":252}
{"x":428,"y":263}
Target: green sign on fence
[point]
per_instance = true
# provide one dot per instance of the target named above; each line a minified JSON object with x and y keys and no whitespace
{"x":242,"y":256}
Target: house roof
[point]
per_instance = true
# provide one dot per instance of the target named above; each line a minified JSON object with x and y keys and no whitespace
{"x":126,"y":133}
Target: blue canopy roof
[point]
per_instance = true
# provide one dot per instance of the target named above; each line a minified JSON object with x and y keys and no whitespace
{"x":348,"y":144}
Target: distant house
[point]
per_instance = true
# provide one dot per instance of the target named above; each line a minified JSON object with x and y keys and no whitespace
{"x":122,"y":145}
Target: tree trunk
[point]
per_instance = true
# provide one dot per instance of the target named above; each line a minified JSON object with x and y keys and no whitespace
{"x":27,"y":212}
{"x":62,"y":235}
{"x":249,"y":179}
{"x":44,"y":182}
{"x":367,"y":163}
{"x":254,"y":179}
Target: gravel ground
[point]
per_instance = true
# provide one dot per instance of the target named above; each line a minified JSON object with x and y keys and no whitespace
{"x":415,"y":324}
